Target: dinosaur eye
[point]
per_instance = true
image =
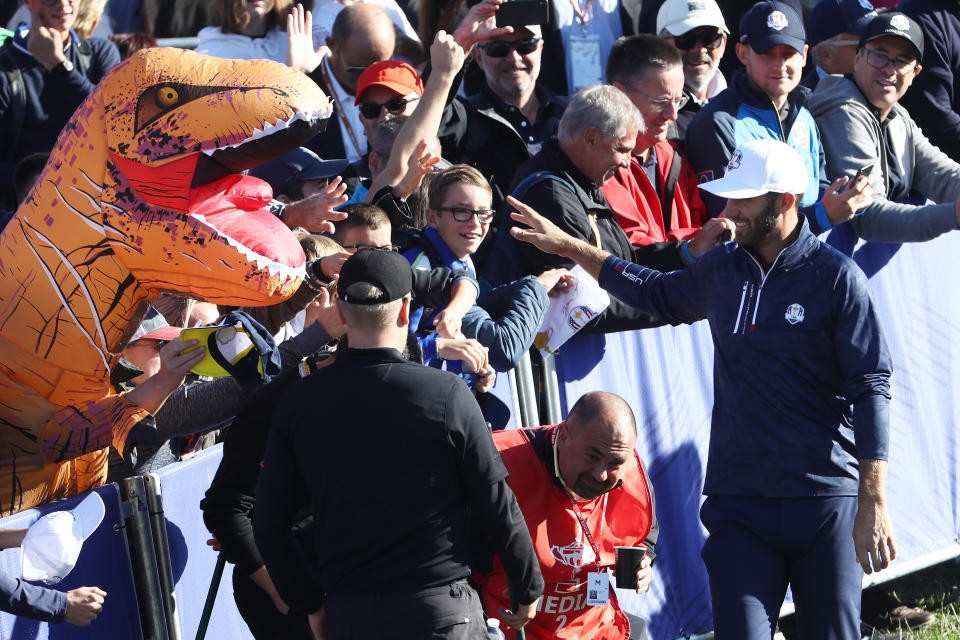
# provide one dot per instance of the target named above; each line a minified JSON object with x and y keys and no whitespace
{"x":167,"y":97}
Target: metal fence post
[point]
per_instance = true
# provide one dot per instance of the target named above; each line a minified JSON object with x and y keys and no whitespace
{"x":158,"y":528}
{"x":144,"y":560}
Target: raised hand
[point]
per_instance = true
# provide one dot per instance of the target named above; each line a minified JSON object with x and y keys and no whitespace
{"x":300,"y":53}
{"x":480,"y":24}
{"x":316,"y":212}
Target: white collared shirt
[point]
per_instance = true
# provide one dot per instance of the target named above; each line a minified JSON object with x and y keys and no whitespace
{"x":352,"y":112}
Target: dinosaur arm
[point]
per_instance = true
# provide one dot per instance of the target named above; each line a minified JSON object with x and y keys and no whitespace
{"x":88,"y":426}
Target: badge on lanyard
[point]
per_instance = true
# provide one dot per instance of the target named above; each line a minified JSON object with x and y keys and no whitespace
{"x":585,"y":58}
{"x":598,"y":589}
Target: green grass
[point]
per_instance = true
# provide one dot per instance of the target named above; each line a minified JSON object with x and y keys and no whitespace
{"x":936,"y":589}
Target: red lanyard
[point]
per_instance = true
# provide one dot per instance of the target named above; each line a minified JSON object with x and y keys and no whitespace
{"x":576,"y":507}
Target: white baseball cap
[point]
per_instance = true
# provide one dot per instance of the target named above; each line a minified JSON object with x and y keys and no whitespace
{"x":758,"y":167}
{"x":676,"y":17}
{"x":52,"y":544}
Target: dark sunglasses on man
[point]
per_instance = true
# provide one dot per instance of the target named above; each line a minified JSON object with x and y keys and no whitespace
{"x":501,"y":48}
{"x":395,"y":106}
{"x":711,"y":38}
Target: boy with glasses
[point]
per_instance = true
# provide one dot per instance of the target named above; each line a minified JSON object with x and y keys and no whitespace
{"x":699,"y":31}
{"x":864,"y":125}
{"x":459,"y":214}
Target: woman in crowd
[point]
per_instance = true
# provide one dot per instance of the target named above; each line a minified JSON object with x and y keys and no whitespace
{"x":246,"y":30}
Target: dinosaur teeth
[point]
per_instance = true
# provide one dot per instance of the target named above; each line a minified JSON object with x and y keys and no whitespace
{"x":271,"y":128}
{"x":264,"y":263}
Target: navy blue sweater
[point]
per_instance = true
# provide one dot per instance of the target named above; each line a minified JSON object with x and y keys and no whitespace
{"x":795,"y":347}
{"x":31,"y":601}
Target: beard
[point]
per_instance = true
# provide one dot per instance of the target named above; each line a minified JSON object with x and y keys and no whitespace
{"x":588,"y":489}
{"x":761,"y":226}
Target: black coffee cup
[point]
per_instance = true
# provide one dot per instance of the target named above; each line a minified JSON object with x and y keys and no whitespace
{"x":628,"y":561}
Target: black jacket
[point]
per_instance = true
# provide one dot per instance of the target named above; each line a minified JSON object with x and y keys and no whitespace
{"x":509,"y":259}
{"x":933,"y":99}
{"x":397,"y":466}
{"x":473,"y":132}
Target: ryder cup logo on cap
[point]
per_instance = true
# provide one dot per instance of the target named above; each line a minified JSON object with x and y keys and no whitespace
{"x":765,"y":166}
{"x":777,"y":21}
{"x":768,"y":24}
{"x":735,"y":160}
{"x":900,"y":22}
{"x":896,"y":25}
{"x":52,"y":545}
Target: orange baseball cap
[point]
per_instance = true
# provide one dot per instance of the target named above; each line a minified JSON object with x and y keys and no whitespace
{"x":393,"y":74}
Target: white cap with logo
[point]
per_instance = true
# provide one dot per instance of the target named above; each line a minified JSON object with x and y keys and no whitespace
{"x":758,"y":167}
{"x":677,"y":17}
{"x":52,"y":544}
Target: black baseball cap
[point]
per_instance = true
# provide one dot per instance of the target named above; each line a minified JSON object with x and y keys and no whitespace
{"x":897,"y":25}
{"x":299,"y":165}
{"x":387,"y":270}
{"x":768,"y":24}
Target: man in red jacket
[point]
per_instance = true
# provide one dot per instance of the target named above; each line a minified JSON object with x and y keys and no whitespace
{"x":582,"y":490}
{"x":655,"y":199}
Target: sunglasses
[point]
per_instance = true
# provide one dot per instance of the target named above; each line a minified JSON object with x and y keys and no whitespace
{"x":711,"y":40}
{"x":500,"y":49}
{"x":396,"y":106}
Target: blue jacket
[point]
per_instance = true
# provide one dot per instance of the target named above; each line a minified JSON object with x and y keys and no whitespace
{"x":19,"y":597}
{"x":505,"y":319}
{"x":795,"y":347}
{"x":742,"y":113}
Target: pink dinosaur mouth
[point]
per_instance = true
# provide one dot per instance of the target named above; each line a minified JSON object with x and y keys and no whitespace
{"x":236,"y":208}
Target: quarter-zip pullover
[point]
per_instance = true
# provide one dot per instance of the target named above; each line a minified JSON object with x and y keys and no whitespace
{"x":801,"y":369}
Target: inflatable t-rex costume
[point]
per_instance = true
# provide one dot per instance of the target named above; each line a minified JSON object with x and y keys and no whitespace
{"x":139,"y":197}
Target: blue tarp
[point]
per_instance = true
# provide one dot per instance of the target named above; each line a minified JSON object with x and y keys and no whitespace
{"x":104,"y":562}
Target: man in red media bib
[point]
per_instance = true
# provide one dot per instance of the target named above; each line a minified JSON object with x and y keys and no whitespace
{"x":582,"y":490}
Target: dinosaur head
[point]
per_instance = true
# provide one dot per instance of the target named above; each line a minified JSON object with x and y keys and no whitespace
{"x":180,"y":126}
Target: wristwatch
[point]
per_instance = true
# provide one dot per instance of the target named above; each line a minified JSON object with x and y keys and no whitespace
{"x":61,"y":69}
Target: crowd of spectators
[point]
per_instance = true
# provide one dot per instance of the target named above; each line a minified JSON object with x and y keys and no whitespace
{"x":603,"y":116}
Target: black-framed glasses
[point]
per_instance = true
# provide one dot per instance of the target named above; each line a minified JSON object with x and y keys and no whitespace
{"x":501,"y":48}
{"x":879,"y":60}
{"x":395,"y":106}
{"x":362,"y":246}
{"x":710,"y":39}
{"x":660,"y":104}
{"x":464,"y":214}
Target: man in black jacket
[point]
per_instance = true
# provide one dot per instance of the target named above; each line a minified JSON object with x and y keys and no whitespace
{"x":510,"y":117}
{"x":397,"y":468}
{"x":45,"y":73}
{"x":596,"y":136}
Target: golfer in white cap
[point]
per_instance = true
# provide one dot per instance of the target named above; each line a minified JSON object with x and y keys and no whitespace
{"x":799,"y":436}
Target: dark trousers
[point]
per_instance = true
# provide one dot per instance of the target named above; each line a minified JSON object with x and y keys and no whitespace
{"x":452,"y":611}
{"x":257,"y":610}
{"x":757,"y":546}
